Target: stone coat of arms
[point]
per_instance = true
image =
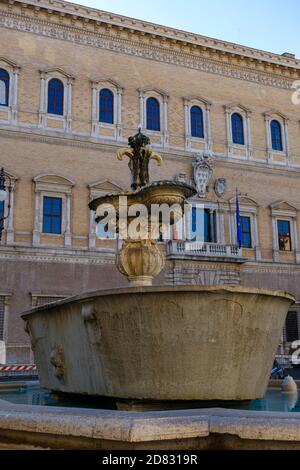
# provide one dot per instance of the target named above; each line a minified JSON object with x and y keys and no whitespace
{"x":203,"y":171}
{"x":220,"y":187}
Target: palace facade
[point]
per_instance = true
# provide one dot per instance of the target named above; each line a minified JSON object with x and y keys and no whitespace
{"x":75,"y":83}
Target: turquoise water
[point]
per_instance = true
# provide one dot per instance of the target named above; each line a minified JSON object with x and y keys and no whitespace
{"x":274,"y":400}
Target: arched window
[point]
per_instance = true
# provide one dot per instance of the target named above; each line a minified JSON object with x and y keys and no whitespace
{"x":237,"y":129}
{"x":153,"y":118}
{"x":106,"y":106}
{"x":276,"y":136}
{"x":197,"y":122}
{"x":55,"y":97}
{"x":4,"y":87}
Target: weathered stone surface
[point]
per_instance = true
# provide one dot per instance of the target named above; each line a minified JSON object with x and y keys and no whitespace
{"x":161,"y":343}
{"x":24,"y":426}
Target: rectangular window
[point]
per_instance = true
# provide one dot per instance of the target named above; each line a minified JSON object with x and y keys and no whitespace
{"x":292,"y":333}
{"x":203,"y":225}
{"x":246,"y":232}
{"x":52,"y":215}
{"x":2,"y":311}
{"x":284,"y":235}
{"x":1,"y":215}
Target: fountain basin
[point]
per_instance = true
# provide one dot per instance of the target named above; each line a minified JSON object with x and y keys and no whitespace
{"x":157,"y":193}
{"x":160,"y":343}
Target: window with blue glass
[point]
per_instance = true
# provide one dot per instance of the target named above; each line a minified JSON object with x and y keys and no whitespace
{"x":104,"y":232}
{"x":4,"y":87}
{"x":56,"y":97}
{"x":52,"y":215}
{"x":153,"y":117}
{"x":1,"y":215}
{"x":237,"y":125}
{"x":197,"y":129}
{"x":203,"y":225}
{"x":284,"y":235}
{"x":276,"y":136}
{"x":106,"y":106}
{"x":246,"y":232}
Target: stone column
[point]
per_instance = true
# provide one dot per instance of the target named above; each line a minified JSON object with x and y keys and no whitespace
{"x":119,"y":114}
{"x":256,"y":240}
{"x":269,"y":141}
{"x":92,"y":231}
{"x":165,"y":121}
{"x":286,"y":142}
{"x":212,"y":227}
{"x":68,"y":235}
{"x":42,"y":110}
{"x":228,"y":133}
{"x":69,"y":105}
{"x":14,"y":105}
{"x":37,"y":219}
{"x":142,"y":111}
{"x":208,"y":129}
{"x":295,"y":238}
{"x":275,"y":240}
{"x":94,"y":109}
{"x":221,"y":227}
{"x":10,"y":220}
{"x":249,"y":148}
{"x":187,"y":125}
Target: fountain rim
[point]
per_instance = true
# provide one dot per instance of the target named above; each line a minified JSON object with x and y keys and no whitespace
{"x":90,"y":295}
{"x":141,"y":191}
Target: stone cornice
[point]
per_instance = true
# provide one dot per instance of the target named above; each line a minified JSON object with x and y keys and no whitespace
{"x":56,"y":255}
{"x":270,"y":267}
{"x":264,"y":70}
{"x":34,"y":135}
{"x":154,"y":30}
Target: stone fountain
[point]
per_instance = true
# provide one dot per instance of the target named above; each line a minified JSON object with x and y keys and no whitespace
{"x":156,"y":343}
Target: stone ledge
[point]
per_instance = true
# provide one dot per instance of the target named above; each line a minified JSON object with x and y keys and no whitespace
{"x":164,"y":429}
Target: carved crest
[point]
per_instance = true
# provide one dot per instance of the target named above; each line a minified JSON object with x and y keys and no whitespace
{"x":220,"y":186}
{"x":203,"y":171}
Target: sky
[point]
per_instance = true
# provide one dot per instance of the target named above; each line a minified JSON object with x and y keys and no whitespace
{"x":271,"y":25}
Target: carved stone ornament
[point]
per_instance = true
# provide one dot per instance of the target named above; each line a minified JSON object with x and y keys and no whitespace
{"x":140,"y":261}
{"x":181,"y":178}
{"x":57,"y":361}
{"x":203,"y":171}
{"x":220,"y":187}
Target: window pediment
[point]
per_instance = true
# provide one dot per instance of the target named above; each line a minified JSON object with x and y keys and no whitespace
{"x":8,"y":63}
{"x":273,"y":114}
{"x":157,"y":91}
{"x":283,"y":206}
{"x":57,"y":72}
{"x":196,"y":99}
{"x":104,"y":186}
{"x":53,"y":183}
{"x":244,"y":201}
{"x":237,"y":107}
{"x":10,"y":175}
{"x":106,"y":83}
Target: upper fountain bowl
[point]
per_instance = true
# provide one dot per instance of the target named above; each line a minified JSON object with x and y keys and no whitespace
{"x":160,"y":192}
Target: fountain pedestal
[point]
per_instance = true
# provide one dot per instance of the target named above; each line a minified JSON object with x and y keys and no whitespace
{"x":140,"y":261}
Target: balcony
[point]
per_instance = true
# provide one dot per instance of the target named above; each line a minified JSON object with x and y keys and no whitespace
{"x":197,"y":250}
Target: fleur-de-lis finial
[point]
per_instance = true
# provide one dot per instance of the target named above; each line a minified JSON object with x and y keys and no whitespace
{"x":139,"y":154}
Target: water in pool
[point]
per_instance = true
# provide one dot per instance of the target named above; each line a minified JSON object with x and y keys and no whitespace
{"x":274,"y":400}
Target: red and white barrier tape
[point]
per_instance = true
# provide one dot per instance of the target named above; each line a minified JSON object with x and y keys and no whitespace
{"x":17,"y":368}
